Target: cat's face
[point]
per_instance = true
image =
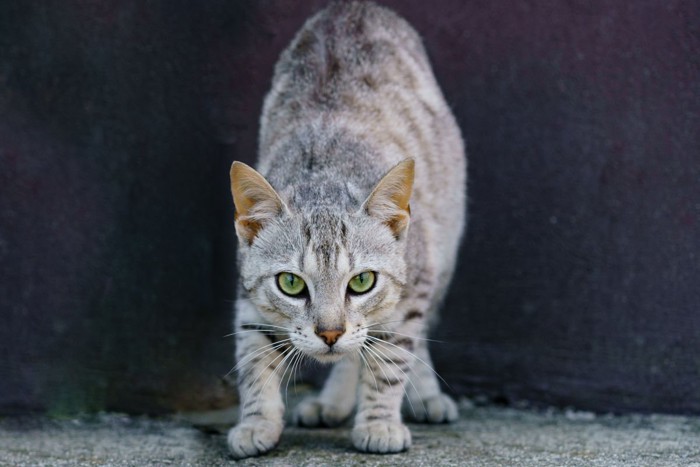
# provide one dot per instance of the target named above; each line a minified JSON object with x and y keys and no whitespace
{"x":324,"y":276}
{"x":327,"y":278}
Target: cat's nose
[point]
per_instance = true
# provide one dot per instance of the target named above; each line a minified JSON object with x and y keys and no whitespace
{"x":330,"y":336}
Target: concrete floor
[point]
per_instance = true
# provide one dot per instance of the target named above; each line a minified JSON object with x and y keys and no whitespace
{"x":484,"y":436}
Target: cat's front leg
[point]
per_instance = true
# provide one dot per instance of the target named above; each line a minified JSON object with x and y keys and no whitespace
{"x":378,"y":426}
{"x":262,"y":410}
{"x":426,"y":401}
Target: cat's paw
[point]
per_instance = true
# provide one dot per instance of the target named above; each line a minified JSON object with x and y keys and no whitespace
{"x":253,"y":438}
{"x":382,"y":437}
{"x":436,"y":409}
{"x":311,"y":412}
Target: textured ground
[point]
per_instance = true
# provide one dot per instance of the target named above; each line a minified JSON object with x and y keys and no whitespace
{"x":484,"y":436}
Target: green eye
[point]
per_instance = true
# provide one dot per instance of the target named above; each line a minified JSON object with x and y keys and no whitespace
{"x":291,"y":284}
{"x":362,"y":282}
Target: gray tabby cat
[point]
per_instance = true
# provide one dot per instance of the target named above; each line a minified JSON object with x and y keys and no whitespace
{"x":354,"y":126}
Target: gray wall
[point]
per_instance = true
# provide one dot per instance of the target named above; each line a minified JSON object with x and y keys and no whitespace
{"x":578,"y":281}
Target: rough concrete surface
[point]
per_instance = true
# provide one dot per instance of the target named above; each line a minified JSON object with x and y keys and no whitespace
{"x":483,"y":436}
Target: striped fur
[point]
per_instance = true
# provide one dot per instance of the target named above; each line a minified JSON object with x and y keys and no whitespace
{"x":353,"y":126}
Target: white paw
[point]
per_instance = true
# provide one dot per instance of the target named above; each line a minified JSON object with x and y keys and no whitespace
{"x":252,"y":438}
{"x":381,"y":437}
{"x":311,"y":412}
{"x":436,"y":409}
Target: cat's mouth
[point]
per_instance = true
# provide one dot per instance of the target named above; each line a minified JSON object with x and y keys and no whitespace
{"x":331,"y":355}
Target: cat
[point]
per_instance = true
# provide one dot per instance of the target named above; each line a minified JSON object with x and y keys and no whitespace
{"x":334,"y":263}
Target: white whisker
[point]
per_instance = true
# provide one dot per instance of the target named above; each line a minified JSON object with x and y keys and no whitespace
{"x":298,"y":365}
{"x":262,"y":331}
{"x":369,"y":368}
{"x":385,"y":331}
{"x":376,"y":349}
{"x":413,"y":355}
{"x":269,"y":348}
{"x":261,"y":390}
{"x":382,"y":324}
{"x":269,"y":364}
{"x":289,"y":353}
{"x":288,"y":374}
{"x":383,"y":357}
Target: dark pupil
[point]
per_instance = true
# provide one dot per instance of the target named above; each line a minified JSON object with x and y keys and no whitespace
{"x":362,"y":278}
{"x":290,"y":280}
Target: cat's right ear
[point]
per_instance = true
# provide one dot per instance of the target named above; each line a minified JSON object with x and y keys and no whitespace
{"x":255,"y":200}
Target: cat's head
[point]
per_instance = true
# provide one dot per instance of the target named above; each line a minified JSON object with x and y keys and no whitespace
{"x":326,"y":273}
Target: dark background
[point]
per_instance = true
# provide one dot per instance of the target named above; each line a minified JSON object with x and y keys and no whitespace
{"x":579,"y":281}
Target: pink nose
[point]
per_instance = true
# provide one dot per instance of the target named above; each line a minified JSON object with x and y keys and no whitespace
{"x":330,"y":336}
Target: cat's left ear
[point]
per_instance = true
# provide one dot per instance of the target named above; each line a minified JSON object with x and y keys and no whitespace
{"x":255,"y":200}
{"x":389,"y":201}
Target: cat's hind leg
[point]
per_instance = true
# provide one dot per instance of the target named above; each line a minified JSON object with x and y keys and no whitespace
{"x":337,"y":399}
{"x":426,"y":403}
